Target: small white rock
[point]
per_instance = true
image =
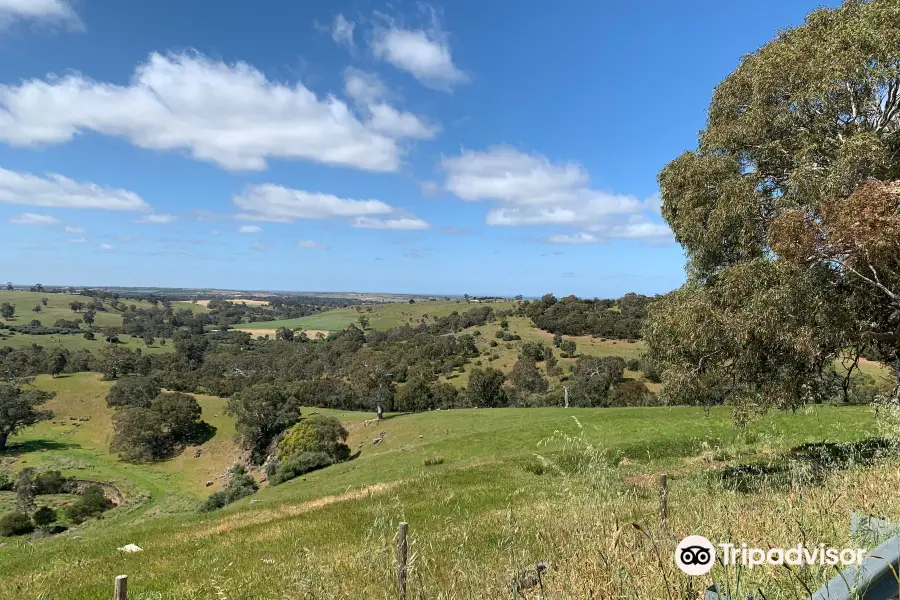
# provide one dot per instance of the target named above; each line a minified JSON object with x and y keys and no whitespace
{"x":131,"y":548}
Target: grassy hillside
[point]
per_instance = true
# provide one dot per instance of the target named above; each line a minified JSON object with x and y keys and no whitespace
{"x":506,"y":495}
{"x":58,"y":308}
{"x":381,"y":317}
{"x":80,"y":448}
{"x":77,"y":342}
{"x":505,"y":354}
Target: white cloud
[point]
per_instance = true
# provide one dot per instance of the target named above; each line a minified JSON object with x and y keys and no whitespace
{"x":230,"y":115}
{"x":34,"y":219}
{"x":530,"y":190}
{"x":249,"y":229}
{"x":58,"y":11}
{"x":388,"y":120}
{"x":311,"y":244}
{"x":367,"y":90}
{"x":362,"y":86}
{"x":342,"y":30}
{"x":77,"y":240}
{"x":397,"y":223}
{"x":269,"y":202}
{"x":62,"y":192}
{"x":107,"y":247}
{"x":423,"y":53}
{"x":578,"y":238}
{"x":70,"y":229}
{"x":430,"y":188}
{"x":156,"y":219}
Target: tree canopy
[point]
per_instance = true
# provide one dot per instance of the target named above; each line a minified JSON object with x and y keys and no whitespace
{"x":19,"y":409}
{"x":789,"y":212}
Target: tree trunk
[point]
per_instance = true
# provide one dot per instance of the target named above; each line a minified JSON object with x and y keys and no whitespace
{"x":3,"y":437}
{"x":378,"y":410}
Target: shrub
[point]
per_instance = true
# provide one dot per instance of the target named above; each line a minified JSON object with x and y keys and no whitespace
{"x":6,"y":482}
{"x":304,"y":463}
{"x":15,"y":523}
{"x":315,"y":434}
{"x":89,"y":335}
{"x":44,"y":516}
{"x":93,"y":503}
{"x":434,"y":460}
{"x":240,"y":486}
{"x":536,"y":351}
{"x":50,"y":482}
{"x":632,"y":393}
{"x":633,"y":364}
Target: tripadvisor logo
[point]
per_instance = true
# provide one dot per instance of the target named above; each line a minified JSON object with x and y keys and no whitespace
{"x":695,"y":555}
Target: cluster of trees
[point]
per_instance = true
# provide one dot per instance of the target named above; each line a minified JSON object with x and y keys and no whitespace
{"x":615,"y":319}
{"x":27,"y":516}
{"x":150,"y":424}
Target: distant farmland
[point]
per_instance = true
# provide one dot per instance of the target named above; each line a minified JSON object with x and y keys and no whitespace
{"x":380,"y":317}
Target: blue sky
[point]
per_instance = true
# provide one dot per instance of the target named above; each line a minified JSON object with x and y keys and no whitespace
{"x":461,"y":147}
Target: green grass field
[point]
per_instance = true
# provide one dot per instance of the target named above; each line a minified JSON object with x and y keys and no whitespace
{"x":381,"y":317}
{"x":512,"y":489}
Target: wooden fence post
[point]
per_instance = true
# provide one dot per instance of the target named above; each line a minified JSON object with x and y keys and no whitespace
{"x":664,"y":503}
{"x":402,"y":554}
{"x":121,"y":588}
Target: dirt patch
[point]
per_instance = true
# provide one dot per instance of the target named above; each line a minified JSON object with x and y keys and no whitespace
{"x":243,"y":520}
{"x":235,"y":300}
{"x":310,"y":333}
{"x":258,"y":332}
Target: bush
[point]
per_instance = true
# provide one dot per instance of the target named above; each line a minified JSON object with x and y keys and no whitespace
{"x":93,"y":503}
{"x":304,"y":463}
{"x":434,"y":460}
{"x":6,"y":482}
{"x":240,"y":486}
{"x":51,"y":482}
{"x":632,"y":393}
{"x":89,"y":335}
{"x":15,"y":523}
{"x":314,"y":435}
{"x":633,"y":364}
{"x":44,"y":516}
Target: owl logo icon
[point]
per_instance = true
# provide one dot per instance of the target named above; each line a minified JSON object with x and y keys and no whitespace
{"x":695,"y":555}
